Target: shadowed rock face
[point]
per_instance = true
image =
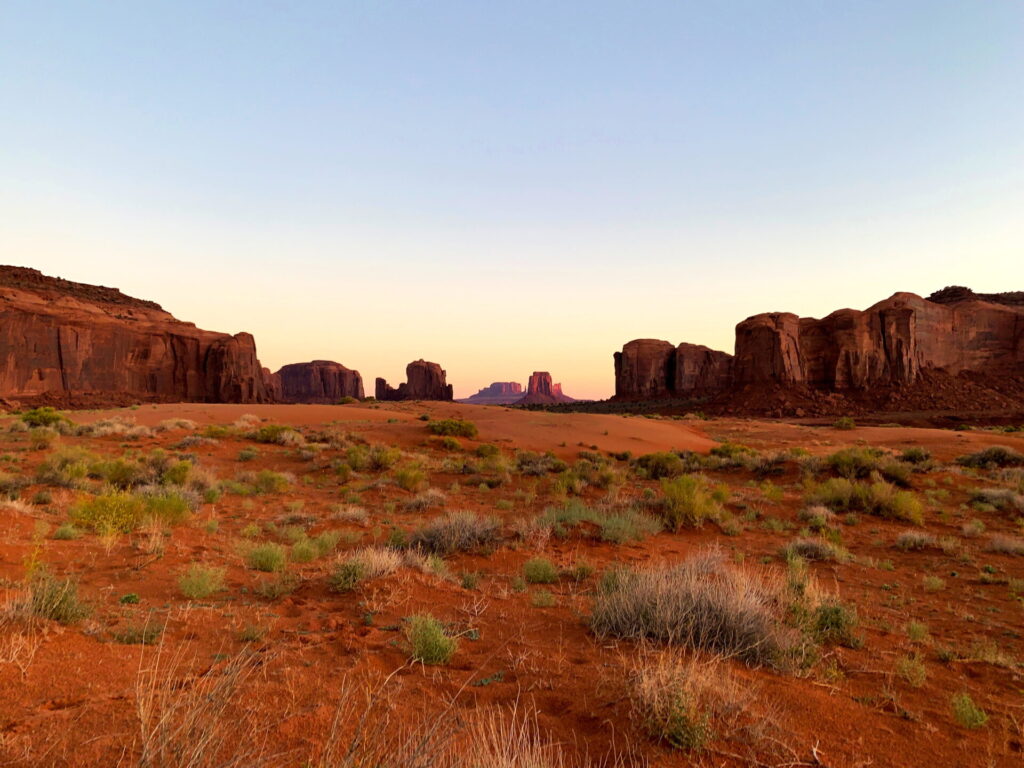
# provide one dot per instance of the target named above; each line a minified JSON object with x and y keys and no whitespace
{"x":319,"y":381}
{"x":541,"y":389}
{"x":424,"y":381}
{"x":498,"y":393}
{"x":891,"y":344}
{"x":64,"y":341}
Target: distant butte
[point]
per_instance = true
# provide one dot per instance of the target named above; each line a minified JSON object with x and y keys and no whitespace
{"x":498,"y":393}
{"x":541,"y":391}
{"x":424,"y":381}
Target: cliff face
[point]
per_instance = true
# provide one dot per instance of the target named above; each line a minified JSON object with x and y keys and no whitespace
{"x":319,"y":381}
{"x":424,"y":381}
{"x":65,"y":341}
{"x":898,"y":343}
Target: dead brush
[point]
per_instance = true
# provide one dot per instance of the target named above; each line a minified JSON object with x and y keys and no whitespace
{"x":193,"y":720}
{"x":687,"y":703}
{"x":703,"y":603}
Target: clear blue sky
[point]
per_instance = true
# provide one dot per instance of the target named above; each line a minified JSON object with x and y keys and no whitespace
{"x":510,"y":186}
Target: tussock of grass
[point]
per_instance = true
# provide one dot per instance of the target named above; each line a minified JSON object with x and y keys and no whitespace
{"x":688,"y":501}
{"x":456,"y":532}
{"x":702,"y":603}
{"x":452,"y":428}
{"x":878,"y":498}
{"x":369,"y":563}
{"x":429,"y":643}
{"x":201,"y":581}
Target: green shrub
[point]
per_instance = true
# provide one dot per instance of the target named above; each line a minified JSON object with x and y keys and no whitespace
{"x":268,"y":481}
{"x":109,"y":512}
{"x":66,"y":532}
{"x":66,"y":468}
{"x":248,"y":454}
{"x":452,"y":427}
{"x":688,"y":501}
{"x":382,"y":457}
{"x":428,"y":641}
{"x":659,"y":465}
{"x":834,"y":622}
{"x":487,"y":451}
{"x":138,"y":634}
{"x":54,"y":599}
{"x":845,"y":423}
{"x":629,"y":525}
{"x":916,"y":455}
{"x":304,"y":551}
{"x":11,"y":485}
{"x":277,"y":434}
{"x":44,"y":416}
{"x":993,"y":456}
{"x":967,"y":713}
{"x":540,"y":570}
{"x":266,"y":557}
{"x":410,"y":478}
{"x":879,"y":498}
{"x":912,"y":670}
{"x":201,"y":581}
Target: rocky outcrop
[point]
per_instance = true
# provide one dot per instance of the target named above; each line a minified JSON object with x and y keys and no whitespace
{"x":498,"y":393}
{"x":889,"y":346}
{"x":424,"y":381}
{"x":541,"y":390}
{"x":71,"y":343}
{"x":319,"y":381}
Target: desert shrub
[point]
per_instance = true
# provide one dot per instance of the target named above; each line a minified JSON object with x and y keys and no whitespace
{"x":677,"y":701}
{"x":369,"y":563}
{"x":201,"y":581}
{"x":452,"y":427}
{"x":688,"y":501}
{"x":54,"y":599}
{"x":382,"y":457}
{"x":834,"y":622}
{"x":66,"y":532}
{"x":44,"y":416}
{"x":860,"y":463}
{"x":431,"y":497}
{"x":266,"y":557}
{"x":540,"y":570}
{"x":303,"y":551}
{"x":1002,"y":499}
{"x":40,"y":438}
{"x":535,"y":464}
{"x":138,"y":634}
{"x":966,"y":713}
{"x":627,"y":525}
{"x":701,"y":603}
{"x":845,"y":423}
{"x":277,"y":434}
{"x":912,"y":670}
{"x":248,"y":454}
{"x":267,"y":481}
{"x":993,"y":456}
{"x":11,"y":485}
{"x":109,"y":512}
{"x":487,"y":451}
{"x":169,"y":505}
{"x":816,"y":517}
{"x":878,"y":498}
{"x":659,"y":465}
{"x":410,"y":478}
{"x":448,"y":444}
{"x":456,"y":531}
{"x":66,"y":468}
{"x":915,"y":541}
{"x":428,"y":641}
{"x":916,"y":455}
{"x":810,"y":549}
{"x":120,"y":473}
{"x":1006,"y":545}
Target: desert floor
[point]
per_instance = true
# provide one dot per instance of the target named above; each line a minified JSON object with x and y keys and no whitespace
{"x":183,"y":586}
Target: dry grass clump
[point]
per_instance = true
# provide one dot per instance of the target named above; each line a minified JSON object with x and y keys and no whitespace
{"x":45,"y":596}
{"x":686,"y":703}
{"x":688,"y":501}
{"x":811,"y":549}
{"x":432,"y":497}
{"x":350,"y":513}
{"x":368,"y":563}
{"x":456,"y":532}
{"x":702,"y":603}
{"x":1002,"y":499}
{"x":995,"y":456}
{"x":1006,"y":545}
{"x":915,"y":541}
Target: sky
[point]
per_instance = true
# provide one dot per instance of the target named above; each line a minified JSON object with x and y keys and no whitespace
{"x":503,"y":187}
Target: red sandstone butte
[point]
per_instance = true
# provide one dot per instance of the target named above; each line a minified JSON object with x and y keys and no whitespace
{"x":498,"y":393}
{"x":424,"y":381}
{"x":319,"y":381}
{"x":540,"y":390}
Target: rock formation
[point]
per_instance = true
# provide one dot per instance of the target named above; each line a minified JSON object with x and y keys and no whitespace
{"x":498,"y":393}
{"x":898,"y":343}
{"x":319,"y":381}
{"x":71,"y":343}
{"x":424,"y":381}
{"x":540,"y":390}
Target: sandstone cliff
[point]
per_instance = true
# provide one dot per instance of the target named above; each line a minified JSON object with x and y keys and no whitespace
{"x":424,"y":381}
{"x":319,"y":381}
{"x":902,"y":343}
{"x":72,"y":343}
